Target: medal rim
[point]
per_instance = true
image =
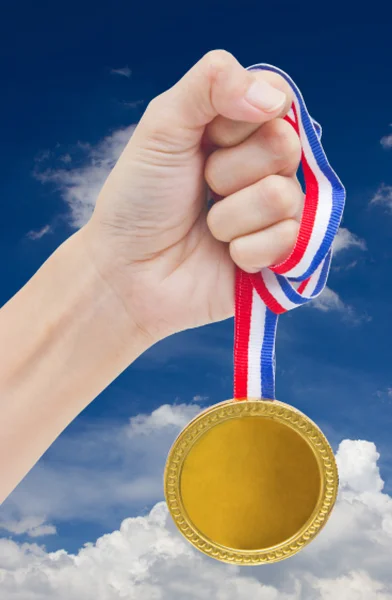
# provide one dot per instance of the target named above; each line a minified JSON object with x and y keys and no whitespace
{"x":251,"y":407}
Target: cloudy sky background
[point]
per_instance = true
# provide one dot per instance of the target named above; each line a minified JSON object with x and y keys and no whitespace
{"x":88,"y":522}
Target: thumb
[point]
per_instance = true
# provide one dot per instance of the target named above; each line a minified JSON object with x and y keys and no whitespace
{"x":216,"y":85}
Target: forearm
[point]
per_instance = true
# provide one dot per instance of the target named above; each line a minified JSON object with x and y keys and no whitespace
{"x":63,"y":338}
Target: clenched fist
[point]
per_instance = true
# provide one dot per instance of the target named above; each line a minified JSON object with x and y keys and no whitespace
{"x":169,"y":260}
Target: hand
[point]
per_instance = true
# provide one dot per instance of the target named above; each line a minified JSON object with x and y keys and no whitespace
{"x":171,"y":264}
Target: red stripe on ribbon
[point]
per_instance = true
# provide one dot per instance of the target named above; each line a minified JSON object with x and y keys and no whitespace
{"x":308,"y":215}
{"x":264,"y":293}
{"x":243,"y":310}
{"x":292,"y":122}
{"x":302,"y":286}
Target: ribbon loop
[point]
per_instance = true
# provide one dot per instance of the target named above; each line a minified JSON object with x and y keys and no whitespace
{"x":260,"y":297}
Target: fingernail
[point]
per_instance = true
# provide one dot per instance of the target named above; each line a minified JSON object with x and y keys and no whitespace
{"x":262,"y":95}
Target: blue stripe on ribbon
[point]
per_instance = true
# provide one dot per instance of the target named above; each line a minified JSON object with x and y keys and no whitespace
{"x":318,"y":128}
{"x":338,"y":197}
{"x":267,"y":359}
{"x":294,"y":296}
{"x":323,"y":275}
{"x":289,"y":291}
{"x":313,"y":132}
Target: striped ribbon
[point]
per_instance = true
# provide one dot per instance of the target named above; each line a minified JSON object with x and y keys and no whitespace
{"x":260,"y":298}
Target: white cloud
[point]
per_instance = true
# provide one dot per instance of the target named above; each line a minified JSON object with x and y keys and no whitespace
{"x":354,"y":586}
{"x":383,"y":196}
{"x":346,"y":240}
{"x":66,"y":158}
{"x":199,"y":398}
{"x":166,"y":416}
{"x":359,"y":471}
{"x":31,"y":526}
{"x":386,"y":141}
{"x":345,"y":267}
{"x":129,"y":458}
{"x":148,"y":559}
{"x":80,"y":186}
{"x":37,"y":235}
{"x":328,"y":300}
{"x":124,"y":72}
{"x":43,"y":155}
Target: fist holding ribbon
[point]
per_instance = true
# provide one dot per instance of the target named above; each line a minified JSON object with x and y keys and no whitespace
{"x":251,"y":480}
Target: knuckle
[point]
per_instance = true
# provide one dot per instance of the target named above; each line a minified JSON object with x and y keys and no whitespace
{"x":212,"y":173}
{"x":283,"y":142}
{"x":272,"y":188}
{"x":282,"y":195}
{"x":214,"y":223}
{"x":289,"y":231}
{"x":221,"y":134}
{"x":293,"y":146}
{"x":218,"y":60}
{"x":209,"y":173}
{"x":237,"y":253}
{"x":242,"y":258}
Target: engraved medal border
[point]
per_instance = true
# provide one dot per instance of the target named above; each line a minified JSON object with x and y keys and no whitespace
{"x":272,"y":409}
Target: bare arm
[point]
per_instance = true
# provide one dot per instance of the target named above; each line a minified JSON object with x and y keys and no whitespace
{"x":64,"y":337}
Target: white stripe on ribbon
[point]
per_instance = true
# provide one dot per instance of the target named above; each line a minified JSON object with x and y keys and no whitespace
{"x":256,"y":338}
{"x":324,"y":208}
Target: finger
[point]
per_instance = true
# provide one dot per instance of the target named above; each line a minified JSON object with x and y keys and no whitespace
{"x":225,"y":132}
{"x":216,"y":85}
{"x":265,"y":248}
{"x":256,"y":207}
{"x":275,"y":148}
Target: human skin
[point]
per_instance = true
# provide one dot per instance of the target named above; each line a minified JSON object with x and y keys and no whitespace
{"x":151,"y":261}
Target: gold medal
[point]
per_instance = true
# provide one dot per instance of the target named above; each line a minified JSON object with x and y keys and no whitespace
{"x":253,"y":480}
{"x":250,"y":482}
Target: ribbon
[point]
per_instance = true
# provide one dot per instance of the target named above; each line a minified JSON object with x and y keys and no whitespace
{"x":261,"y":297}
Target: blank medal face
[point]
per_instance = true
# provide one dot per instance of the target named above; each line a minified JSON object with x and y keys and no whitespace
{"x":250,"y":482}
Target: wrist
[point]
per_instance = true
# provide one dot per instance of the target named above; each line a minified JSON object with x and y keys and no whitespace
{"x":101,"y":295}
{"x":67,"y":324}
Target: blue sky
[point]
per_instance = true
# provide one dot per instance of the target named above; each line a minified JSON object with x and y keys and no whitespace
{"x":77,"y":75}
